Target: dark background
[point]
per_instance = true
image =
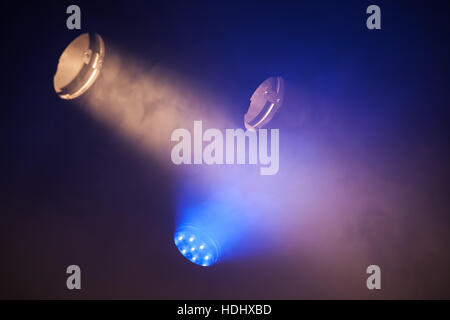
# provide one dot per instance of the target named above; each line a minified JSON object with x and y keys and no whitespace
{"x":71,"y":193}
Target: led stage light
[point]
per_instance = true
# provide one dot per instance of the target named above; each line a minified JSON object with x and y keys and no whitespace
{"x":264,"y":103}
{"x":196,"y":245}
{"x":79,"y":66}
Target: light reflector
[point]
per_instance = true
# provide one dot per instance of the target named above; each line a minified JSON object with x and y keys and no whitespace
{"x":265,"y":101}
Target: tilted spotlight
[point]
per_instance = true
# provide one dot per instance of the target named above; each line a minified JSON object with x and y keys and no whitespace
{"x":79,"y":66}
{"x":196,"y":245}
{"x":265,"y":101}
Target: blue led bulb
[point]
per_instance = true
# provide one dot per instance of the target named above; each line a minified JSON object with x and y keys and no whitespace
{"x":196,"y":245}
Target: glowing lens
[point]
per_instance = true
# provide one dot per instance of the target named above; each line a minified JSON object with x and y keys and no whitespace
{"x":196,"y":246}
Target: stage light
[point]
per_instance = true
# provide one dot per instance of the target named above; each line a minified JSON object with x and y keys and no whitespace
{"x":79,"y":66}
{"x":264,"y":103}
{"x":196,"y":245}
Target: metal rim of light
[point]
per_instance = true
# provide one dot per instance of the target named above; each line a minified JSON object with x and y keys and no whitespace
{"x":79,"y":66}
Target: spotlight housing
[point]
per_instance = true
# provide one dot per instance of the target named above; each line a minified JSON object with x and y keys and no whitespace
{"x":79,"y":66}
{"x":196,"y":245}
{"x":264,"y":103}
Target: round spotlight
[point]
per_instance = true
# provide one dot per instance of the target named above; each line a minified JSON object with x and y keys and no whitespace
{"x":196,"y":245}
{"x":79,"y":66}
{"x":265,"y":101}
